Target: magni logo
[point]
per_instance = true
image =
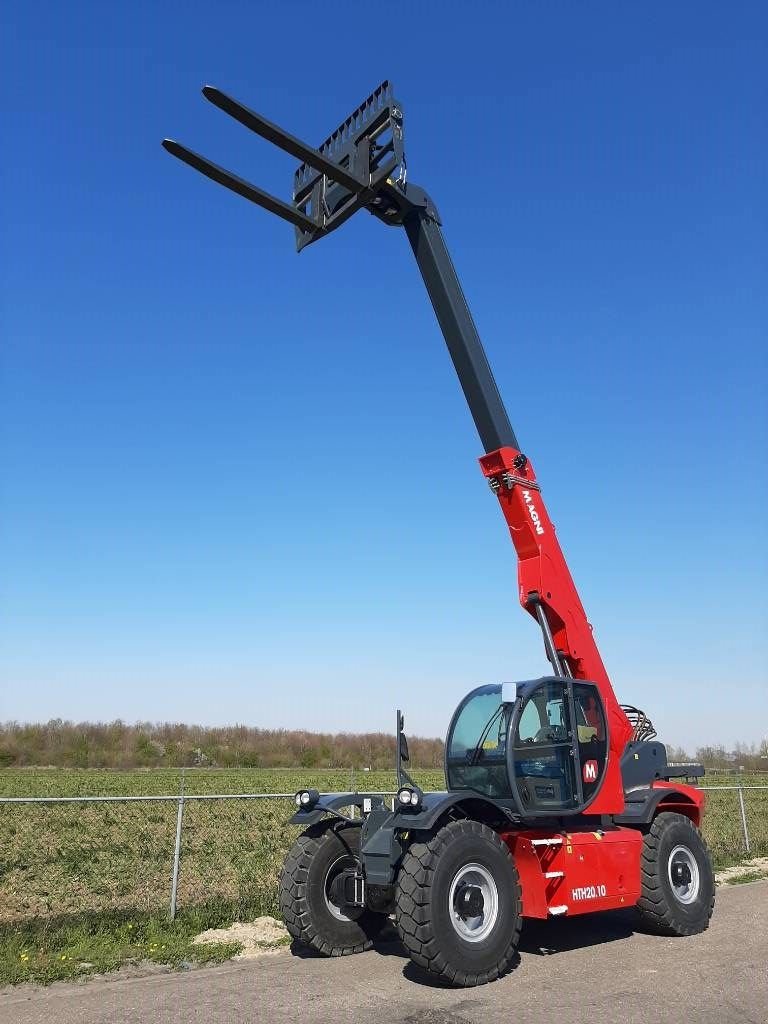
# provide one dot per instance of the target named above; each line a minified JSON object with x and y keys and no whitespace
{"x":590,"y":771}
{"x":532,"y":512}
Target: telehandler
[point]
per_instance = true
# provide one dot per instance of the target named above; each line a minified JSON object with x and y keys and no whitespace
{"x":559,"y":800}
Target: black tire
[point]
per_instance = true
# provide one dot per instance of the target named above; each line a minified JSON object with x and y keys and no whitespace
{"x":425,"y":913}
{"x":308,"y":868}
{"x":673,"y":848}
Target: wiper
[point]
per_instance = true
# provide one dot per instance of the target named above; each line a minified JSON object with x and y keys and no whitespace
{"x":477,"y":750}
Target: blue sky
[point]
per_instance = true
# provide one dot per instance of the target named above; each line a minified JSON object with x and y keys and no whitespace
{"x":241,"y":485}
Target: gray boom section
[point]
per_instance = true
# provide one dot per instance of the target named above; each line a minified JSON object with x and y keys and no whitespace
{"x":459,"y":330}
{"x":351,"y":170}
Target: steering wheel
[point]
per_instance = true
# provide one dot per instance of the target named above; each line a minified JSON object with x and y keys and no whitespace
{"x":553,"y":733}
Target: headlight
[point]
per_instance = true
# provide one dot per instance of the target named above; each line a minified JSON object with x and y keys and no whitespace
{"x":408,"y":797}
{"x":306,"y":798}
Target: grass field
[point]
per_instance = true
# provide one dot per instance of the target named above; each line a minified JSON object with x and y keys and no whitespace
{"x":91,"y":867}
{"x":69,"y":858}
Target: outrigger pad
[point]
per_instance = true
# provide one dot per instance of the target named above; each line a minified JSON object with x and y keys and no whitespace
{"x":331,"y":183}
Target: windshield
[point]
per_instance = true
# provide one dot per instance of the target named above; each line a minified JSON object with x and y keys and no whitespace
{"x":476,"y":749}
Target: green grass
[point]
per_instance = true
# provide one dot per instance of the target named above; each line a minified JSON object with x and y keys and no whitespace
{"x":99,"y":782}
{"x":72,"y":858}
{"x":720,"y":778}
{"x":748,"y":876}
{"x":102,"y":782}
{"x":84,"y":865}
{"x":53,"y":949}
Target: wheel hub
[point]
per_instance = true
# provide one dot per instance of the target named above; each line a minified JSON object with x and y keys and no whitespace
{"x":468,"y":901}
{"x":336,"y":889}
{"x":683,"y":874}
{"x":473,"y":902}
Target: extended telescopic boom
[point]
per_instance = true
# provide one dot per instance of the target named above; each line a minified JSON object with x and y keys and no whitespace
{"x":367,"y":149}
{"x":362,"y":165}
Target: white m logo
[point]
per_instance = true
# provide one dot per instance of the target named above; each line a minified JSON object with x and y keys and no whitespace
{"x":590,"y":771}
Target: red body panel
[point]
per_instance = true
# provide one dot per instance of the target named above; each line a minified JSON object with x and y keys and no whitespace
{"x":683,"y":799}
{"x":587,"y":871}
{"x":542,"y":569}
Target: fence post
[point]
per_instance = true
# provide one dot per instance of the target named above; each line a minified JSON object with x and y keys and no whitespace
{"x":744,"y":828}
{"x":177,"y":849}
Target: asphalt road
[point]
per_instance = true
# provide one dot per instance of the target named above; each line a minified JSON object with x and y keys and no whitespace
{"x":593,"y":969}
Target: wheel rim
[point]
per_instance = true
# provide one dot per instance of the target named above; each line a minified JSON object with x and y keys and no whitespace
{"x":339,"y":865}
{"x":473,"y":902}
{"x":683,"y":874}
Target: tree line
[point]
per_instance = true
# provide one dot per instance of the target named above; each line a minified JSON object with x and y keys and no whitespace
{"x":63,"y":744}
{"x":751,"y":757}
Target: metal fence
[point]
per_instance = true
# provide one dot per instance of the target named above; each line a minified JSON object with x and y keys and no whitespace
{"x":73,"y":854}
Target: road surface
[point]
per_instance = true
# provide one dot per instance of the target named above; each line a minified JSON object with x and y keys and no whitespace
{"x":584,"y":971}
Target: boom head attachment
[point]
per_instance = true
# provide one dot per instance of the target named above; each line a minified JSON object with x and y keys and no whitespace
{"x":360,"y":164}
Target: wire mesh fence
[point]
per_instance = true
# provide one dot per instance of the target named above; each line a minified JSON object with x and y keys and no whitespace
{"x":78,"y":854}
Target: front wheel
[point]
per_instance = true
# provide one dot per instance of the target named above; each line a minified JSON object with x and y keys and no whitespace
{"x":307,"y":898}
{"x":678,"y":883}
{"x":457,"y":904}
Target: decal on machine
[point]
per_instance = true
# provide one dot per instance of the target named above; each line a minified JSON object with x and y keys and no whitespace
{"x":532,"y":512}
{"x":590,"y":771}
{"x":588,"y":892}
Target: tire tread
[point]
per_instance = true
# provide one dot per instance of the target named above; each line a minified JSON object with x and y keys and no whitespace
{"x":656,"y":910}
{"x":294,"y":906}
{"x":414,"y":921}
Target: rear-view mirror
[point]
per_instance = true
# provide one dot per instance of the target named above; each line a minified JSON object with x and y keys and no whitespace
{"x":404,"y":748}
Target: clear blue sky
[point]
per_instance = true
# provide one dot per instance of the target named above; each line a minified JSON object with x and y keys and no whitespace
{"x":240,"y":485}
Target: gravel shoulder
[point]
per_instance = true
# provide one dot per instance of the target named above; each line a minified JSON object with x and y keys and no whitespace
{"x":751,"y":869}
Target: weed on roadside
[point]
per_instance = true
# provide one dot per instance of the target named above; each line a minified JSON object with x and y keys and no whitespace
{"x":52,"y":949}
{"x":747,"y":876}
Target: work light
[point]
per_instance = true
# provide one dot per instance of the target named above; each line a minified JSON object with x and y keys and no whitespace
{"x":306,"y":798}
{"x":408,"y":797}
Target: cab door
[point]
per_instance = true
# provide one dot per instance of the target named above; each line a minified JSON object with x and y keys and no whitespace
{"x":557,"y":747}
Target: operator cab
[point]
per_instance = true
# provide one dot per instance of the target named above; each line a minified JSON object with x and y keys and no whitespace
{"x":541,"y":744}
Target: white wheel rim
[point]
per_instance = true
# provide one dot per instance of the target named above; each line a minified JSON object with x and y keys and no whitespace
{"x":345,"y":861}
{"x":683,"y":872}
{"x":473,"y":926}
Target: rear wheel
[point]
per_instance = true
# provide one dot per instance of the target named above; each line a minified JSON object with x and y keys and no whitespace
{"x":678,"y":883}
{"x":457,"y":904}
{"x":307,"y":895}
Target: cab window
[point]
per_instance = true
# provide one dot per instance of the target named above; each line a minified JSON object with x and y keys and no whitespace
{"x":476,"y":751}
{"x":591,"y":736}
{"x":542,"y":752}
{"x":472,"y":720}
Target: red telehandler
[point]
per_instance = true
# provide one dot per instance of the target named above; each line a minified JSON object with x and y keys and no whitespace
{"x":559,"y":801}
